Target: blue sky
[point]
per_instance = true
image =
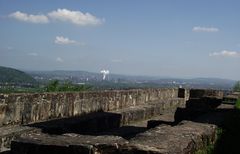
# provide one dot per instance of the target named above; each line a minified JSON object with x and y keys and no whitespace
{"x":156,"y":37}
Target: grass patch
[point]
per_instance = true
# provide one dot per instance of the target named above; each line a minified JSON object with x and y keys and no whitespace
{"x":209,"y":149}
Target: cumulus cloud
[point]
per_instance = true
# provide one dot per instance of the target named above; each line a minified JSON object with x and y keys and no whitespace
{"x":59,"y":59}
{"x":29,"y":17}
{"x":75,"y":17}
{"x":205,"y":29}
{"x":64,"y":15}
{"x":64,"y":40}
{"x":225,"y":53}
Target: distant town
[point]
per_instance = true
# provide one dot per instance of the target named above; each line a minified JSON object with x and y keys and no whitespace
{"x":105,"y":80}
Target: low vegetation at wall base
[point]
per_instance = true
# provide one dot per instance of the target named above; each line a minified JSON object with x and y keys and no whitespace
{"x":237,"y":87}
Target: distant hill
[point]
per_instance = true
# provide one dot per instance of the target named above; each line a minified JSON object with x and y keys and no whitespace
{"x":131,"y":81}
{"x":14,"y":76}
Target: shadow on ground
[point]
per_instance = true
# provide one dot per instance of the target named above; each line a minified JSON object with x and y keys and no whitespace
{"x":229,"y":140}
{"x":203,"y":110}
{"x":209,"y":110}
{"x":98,"y":123}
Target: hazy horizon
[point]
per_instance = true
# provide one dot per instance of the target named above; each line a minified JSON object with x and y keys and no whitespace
{"x":180,"y":39}
{"x":115,"y":73}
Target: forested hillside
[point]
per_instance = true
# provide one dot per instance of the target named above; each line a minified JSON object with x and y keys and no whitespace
{"x":13,"y":76}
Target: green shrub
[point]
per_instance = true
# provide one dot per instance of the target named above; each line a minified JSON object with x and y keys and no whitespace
{"x":237,"y":105}
{"x":237,"y":87}
{"x":55,"y":86}
{"x":52,"y":86}
{"x":209,"y":149}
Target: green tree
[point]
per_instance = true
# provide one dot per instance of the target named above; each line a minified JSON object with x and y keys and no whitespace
{"x":237,"y":86}
{"x":52,"y":86}
{"x":55,"y":86}
{"x":69,"y":86}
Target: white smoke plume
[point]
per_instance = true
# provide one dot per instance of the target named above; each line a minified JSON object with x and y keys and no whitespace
{"x":105,"y":73}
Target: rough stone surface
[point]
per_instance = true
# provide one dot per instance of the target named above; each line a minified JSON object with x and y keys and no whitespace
{"x":65,"y":144}
{"x":92,"y":124}
{"x":199,"y":93}
{"x":196,"y":107}
{"x":184,"y":138}
{"x":8,"y":133}
{"x":95,"y":123}
{"x":204,"y":104}
{"x":231,"y":98}
{"x":30,"y":108}
{"x":146,"y":111}
{"x":96,"y":113}
{"x":85,"y":112}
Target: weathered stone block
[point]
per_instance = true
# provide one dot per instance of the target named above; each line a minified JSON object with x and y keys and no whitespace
{"x":8,"y":133}
{"x":184,"y":138}
{"x":199,"y":93}
{"x":65,"y":144}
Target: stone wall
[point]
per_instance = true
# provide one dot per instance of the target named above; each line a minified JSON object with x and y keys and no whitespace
{"x":28,"y":108}
{"x":200,"y":93}
{"x":74,"y":112}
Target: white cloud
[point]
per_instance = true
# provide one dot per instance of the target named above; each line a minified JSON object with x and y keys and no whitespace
{"x":65,"y":15}
{"x":64,"y":40}
{"x":32,"y":54}
{"x":59,"y":59}
{"x":29,"y":17}
{"x":225,"y":53}
{"x":205,"y":29}
{"x":75,"y":17}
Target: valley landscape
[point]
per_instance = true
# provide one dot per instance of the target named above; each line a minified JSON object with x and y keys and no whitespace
{"x":113,"y":81}
{"x":119,"y":77}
